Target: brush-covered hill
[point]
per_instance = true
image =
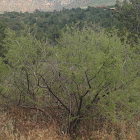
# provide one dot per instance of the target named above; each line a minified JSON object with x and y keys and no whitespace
{"x":48,"y":5}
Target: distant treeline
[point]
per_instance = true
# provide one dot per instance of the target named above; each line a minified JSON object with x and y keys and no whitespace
{"x":50,"y":24}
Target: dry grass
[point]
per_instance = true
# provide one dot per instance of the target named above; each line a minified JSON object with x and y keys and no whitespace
{"x":16,"y":124}
{"x":21,"y":124}
{"x":114,"y":134}
{"x":108,"y":130}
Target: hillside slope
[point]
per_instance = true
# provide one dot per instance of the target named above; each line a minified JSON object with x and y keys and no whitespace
{"x":81,"y":3}
{"x":48,"y":5}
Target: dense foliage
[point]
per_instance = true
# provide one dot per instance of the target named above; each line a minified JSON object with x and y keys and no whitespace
{"x":50,"y":24}
{"x":82,"y":69}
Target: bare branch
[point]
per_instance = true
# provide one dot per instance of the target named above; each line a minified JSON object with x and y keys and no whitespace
{"x":50,"y":90}
{"x":98,"y":92}
{"x":88,"y":81}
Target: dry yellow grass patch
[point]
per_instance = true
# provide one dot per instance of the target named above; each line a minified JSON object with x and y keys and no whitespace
{"x":17,"y":126}
{"x":22,"y":124}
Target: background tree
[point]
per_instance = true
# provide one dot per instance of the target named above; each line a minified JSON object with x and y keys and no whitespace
{"x":2,"y":36}
{"x":129,"y":19}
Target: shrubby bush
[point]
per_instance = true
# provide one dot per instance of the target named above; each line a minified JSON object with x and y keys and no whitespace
{"x":89,"y":73}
